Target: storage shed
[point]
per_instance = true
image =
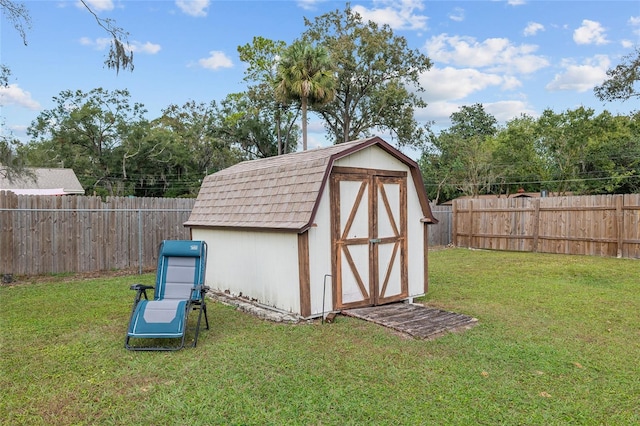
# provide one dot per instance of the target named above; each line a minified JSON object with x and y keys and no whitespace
{"x":319,"y":230}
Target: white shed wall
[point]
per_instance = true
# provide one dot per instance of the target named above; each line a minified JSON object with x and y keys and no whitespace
{"x":376,"y":158}
{"x":260,"y":265}
{"x":320,"y":257}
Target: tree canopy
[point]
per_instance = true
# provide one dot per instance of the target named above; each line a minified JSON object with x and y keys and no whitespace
{"x":83,"y":130}
{"x":377,"y":75}
{"x":262,"y":56}
{"x":305,"y":74}
{"x":574,"y":151}
{"x":622,"y":81}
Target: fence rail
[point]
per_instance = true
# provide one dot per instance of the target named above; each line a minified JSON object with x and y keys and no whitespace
{"x":56,"y":234}
{"x":599,"y":225}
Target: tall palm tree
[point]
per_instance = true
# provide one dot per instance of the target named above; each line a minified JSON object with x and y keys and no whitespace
{"x":305,"y":74}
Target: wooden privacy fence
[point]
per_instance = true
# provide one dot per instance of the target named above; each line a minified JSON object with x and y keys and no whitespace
{"x":56,"y":234}
{"x":440,"y":233}
{"x":599,"y":225}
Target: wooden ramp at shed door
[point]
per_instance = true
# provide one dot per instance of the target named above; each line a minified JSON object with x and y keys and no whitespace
{"x":419,"y":321}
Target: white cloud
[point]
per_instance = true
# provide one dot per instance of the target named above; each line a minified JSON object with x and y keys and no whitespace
{"x":97,"y":5}
{"x":438,"y":112}
{"x":504,"y":111}
{"x":14,"y":95}
{"x":197,"y":8}
{"x":457,"y":14}
{"x":308,"y":4}
{"x":216,"y":59}
{"x":533,"y":28}
{"x":447,"y":84}
{"x":399,"y":15}
{"x":495,"y":54}
{"x":581,"y":78}
{"x":148,"y":47}
{"x":510,"y":82}
{"x":516,"y":2}
{"x":627,"y":44}
{"x":591,"y":32}
{"x":103,"y":43}
{"x":634,"y":21}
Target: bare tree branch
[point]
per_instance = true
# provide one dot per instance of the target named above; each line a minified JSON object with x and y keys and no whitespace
{"x":120,"y":55}
{"x":18,"y":15}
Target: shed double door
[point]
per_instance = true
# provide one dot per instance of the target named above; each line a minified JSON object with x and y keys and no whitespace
{"x":369,"y":237}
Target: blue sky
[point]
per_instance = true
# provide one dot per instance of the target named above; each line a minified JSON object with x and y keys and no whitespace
{"x":514,"y":56}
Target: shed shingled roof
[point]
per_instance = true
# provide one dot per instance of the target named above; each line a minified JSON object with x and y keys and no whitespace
{"x":279,"y":193}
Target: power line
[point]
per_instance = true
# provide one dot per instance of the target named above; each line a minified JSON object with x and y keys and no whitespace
{"x":538,"y":181}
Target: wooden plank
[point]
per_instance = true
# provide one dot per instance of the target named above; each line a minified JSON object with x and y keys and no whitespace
{"x":304,"y":274}
{"x":454,"y":223}
{"x":33,"y":247}
{"x":8,"y":201}
{"x":425,"y":254}
{"x":471,"y":221}
{"x":619,"y":225}
{"x":336,"y":256}
{"x":536,"y":224}
{"x":631,"y":221}
{"x":45,"y":226}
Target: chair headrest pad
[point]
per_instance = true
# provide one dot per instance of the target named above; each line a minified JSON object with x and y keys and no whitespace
{"x":184,"y":248}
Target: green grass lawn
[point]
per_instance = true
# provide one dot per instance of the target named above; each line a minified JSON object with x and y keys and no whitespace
{"x":558,"y":342}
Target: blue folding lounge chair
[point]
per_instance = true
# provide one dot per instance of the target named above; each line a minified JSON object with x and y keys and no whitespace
{"x":179,"y":289}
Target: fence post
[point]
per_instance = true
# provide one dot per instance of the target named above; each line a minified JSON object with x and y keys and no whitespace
{"x":454,"y":220}
{"x":536,"y":224}
{"x":619,"y":223}
{"x":139,"y":241}
{"x":449,"y":225}
{"x":469,"y":245}
{"x":8,"y":201}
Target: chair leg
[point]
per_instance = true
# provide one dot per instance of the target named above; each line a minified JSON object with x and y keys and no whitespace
{"x":206,"y":320}
{"x":195,"y":338}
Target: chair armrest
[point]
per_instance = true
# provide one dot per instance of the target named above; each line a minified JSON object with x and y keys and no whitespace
{"x":199,"y":291}
{"x":141,"y":290}
{"x":141,"y":287}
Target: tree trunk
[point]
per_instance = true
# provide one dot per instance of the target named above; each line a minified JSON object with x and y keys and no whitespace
{"x":346,"y":124}
{"x":304,"y":123}
{"x":279,"y":112}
